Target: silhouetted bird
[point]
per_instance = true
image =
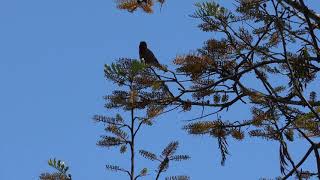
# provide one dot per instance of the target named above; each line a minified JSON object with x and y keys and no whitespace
{"x":147,"y":56}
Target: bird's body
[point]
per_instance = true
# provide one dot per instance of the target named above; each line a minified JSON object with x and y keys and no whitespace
{"x":147,"y":56}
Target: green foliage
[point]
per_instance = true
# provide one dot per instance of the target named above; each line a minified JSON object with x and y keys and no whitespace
{"x":108,"y":141}
{"x":140,"y":92}
{"x":145,"y":90}
{"x":216,"y":98}
{"x":216,"y":129}
{"x":58,"y":165}
{"x":208,"y":11}
{"x":259,"y":40}
{"x":114,"y":168}
{"x":62,"y":171}
{"x":148,"y":155}
{"x":289,"y":135}
{"x":264,"y":41}
{"x":144,"y":172}
{"x":178,"y":178}
{"x":137,"y":93}
{"x":313,"y":96}
{"x":123,"y":149}
{"x":224,"y":98}
{"x":166,"y":156}
{"x":133,"y":5}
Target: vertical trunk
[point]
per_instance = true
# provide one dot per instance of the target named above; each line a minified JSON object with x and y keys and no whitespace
{"x":132,"y":144}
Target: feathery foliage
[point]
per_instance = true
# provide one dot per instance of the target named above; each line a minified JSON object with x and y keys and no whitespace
{"x":140,"y":92}
{"x":133,"y":5}
{"x":166,"y":156}
{"x":263,"y":40}
{"x":60,"y":167}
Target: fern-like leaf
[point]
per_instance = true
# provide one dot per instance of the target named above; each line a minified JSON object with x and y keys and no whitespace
{"x":180,"y":157}
{"x":148,"y":155}
{"x":170,"y":149}
{"x":178,"y":178}
{"x":114,"y":168}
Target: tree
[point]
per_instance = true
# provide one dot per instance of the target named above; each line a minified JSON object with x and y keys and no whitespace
{"x":263,"y":40}
{"x":260,"y":39}
{"x":139,"y":88}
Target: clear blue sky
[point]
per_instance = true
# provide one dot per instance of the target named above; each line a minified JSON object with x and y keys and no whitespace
{"x":52,"y":54}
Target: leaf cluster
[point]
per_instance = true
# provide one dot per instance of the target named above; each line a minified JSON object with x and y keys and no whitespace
{"x":143,"y":87}
{"x":217,"y":129}
{"x":167,"y":155}
{"x":133,"y":5}
{"x":61,"y":174}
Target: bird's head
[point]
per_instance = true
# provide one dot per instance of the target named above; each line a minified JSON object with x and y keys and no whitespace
{"x":143,"y":45}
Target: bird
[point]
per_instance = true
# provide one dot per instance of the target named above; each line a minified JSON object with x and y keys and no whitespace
{"x":147,"y":56}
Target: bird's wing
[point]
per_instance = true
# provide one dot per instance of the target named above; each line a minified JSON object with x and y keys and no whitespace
{"x":150,"y":57}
